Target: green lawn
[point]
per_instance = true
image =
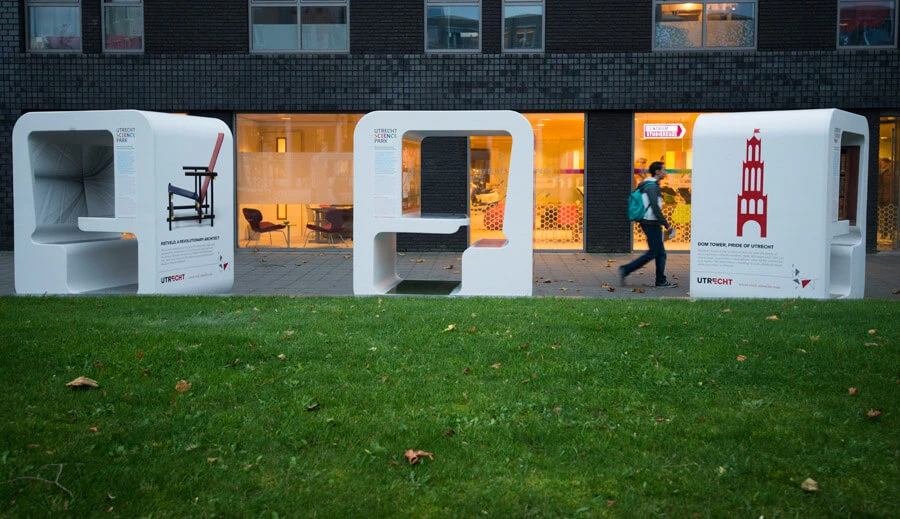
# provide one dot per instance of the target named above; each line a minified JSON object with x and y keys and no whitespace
{"x":530,"y":407}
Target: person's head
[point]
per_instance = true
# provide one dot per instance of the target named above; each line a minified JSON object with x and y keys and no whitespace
{"x":658,"y":170}
{"x":885,"y":164}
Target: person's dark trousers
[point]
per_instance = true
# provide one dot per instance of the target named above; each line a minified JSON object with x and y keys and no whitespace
{"x":654,"y":233}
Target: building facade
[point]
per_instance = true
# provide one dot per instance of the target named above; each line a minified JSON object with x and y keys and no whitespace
{"x":609,"y":87}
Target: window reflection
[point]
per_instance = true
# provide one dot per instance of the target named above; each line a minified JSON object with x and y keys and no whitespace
{"x":453,"y":28}
{"x":867,"y":23}
{"x":54,"y":28}
{"x":523,"y":27}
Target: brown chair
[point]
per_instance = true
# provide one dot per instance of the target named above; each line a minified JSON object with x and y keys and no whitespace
{"x":332,"y":226}
{"x":258,"y":226}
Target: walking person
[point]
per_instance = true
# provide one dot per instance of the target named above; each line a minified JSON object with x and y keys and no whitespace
{"x":652,"y":225}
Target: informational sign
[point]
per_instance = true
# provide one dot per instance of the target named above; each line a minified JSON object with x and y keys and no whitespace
{"x":761,"y":221}
{"x":664,"y":131}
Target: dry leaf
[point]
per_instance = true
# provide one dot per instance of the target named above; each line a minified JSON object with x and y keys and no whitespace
{"x":638,"y":290}
{"x":611,"y":289}
{"x":726,"y":310}
{"x":643,"y":325}
{"x":467,"y":371}
{"x":873,"y":331}
{"x":448,"y":267}
{"x":874,"y":413}
{"x":281,"y":356}
{"x":853,"y":391}
{"x":182,"y":386}
{"x":772,"y":318}
{"x":809,"y":485}
{"x":497,"y":365}
{"x":450,"y":328}
{"x":83,"y":382}
{"x":895,"y":292}
{"x":212,"y":460}
{"x":741,"y":358}
{"x":413,"y":456}
{"x":814,"y":337}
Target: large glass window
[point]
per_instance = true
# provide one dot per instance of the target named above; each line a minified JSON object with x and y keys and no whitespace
{"x":558,"y":182}
{"x":704,"y":25}
{"x":666,"y":137}
{"x":867,"y":23}
{"x":54,"y":25}
{"x":452,"y":25}
{"x":123,"y":25}
{"x":295,"y":170}
{"x":523,"y":25}
{"x":299,"y":25}
{"x":888,"y":219}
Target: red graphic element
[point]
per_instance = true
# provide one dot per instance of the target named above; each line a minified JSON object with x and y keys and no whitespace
{"x":804,"y":282}
{"x":752,"y":204}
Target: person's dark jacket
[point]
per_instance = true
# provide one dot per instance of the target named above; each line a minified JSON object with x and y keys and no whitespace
{"x":654,"y":214}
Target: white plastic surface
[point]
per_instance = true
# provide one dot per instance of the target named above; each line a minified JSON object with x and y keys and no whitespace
{"x":764,"y":220}
{"x":505,"y":270}
{"x":82,"y":179}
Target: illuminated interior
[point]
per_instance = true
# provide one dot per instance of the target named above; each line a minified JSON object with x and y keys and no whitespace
{"x":666,"y":137}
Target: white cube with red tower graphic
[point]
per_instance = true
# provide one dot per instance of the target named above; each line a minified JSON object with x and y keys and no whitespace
{"x":123,"y":201}
{"x":779,"y":205}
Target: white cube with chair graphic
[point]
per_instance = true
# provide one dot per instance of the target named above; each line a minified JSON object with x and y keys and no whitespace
{"x":779,"y":205}
{"x":123,"y":200}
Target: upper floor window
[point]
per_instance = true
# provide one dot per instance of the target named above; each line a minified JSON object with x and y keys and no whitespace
{"x":704,"y":25}
{"x":53,"y":25}
{"x":452,"y":25}
{"x":299,"y":25}
{"x":523,"y":25}
{"x":123,"y":25}
{"x":867,"y":23}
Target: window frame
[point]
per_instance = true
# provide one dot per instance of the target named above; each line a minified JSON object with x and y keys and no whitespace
{"x":703,"y":47}
{"x":52,"y":3}
{"x":517,"y":3}
{"x":299,"y":4}
{"x":454,"y":3}
{"x":896,"y":13}
{"x":121,"y":3}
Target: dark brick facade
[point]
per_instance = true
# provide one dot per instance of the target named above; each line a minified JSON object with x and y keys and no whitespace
{"x":598,"y":62}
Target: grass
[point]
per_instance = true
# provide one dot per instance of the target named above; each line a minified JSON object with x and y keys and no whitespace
{"x":530,"y":407}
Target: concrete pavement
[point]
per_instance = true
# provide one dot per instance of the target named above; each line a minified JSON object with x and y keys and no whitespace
{"x":330,"y":273}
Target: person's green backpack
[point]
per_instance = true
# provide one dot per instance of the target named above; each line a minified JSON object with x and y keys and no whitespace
{"x":636,"y":207}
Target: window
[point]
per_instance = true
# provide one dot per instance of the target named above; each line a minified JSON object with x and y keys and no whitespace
{"x":299,"y":25}
{"x":123,"y":25}
{"x":704,"y":25}
{"x":523,"y":25}
{"x":452,"y":25}
{"x":54,"y":25}
{"x":867,"y":23}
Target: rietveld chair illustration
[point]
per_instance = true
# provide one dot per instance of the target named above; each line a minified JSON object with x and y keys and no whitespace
{"x":258,"y":226}
{"x":779,"y":204}
{"x":491,"y":267}
{"x":90,"y":195}
{"x":205,"y":210}
{"x":334,"y":225}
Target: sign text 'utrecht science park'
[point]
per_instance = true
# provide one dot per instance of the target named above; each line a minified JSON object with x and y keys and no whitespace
{"x":664,"y":131}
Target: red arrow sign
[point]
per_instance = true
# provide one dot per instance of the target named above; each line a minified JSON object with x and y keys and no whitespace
{"x":664,"y":131}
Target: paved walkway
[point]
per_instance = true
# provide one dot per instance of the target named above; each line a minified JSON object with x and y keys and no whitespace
{"x":555,"y":274}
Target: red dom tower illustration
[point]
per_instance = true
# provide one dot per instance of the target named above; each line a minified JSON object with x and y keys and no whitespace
{"x":752,"y":204}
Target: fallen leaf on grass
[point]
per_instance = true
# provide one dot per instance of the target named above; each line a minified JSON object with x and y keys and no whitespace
{"x":741,"y":358}
{"x":853,"y":391}
{"x":496,"y":366}
{"x":726,"y":310}
{"x":643,"y":325}
{"x":874,"y":413}
{"x":873,"y":331}
{"x":809,"y":485}
{"x":282,"y":356}
{"x":182,"y":386}
{"x":414,"y":456}
{"x":212,"y":460}
{"x":772,"y":318}
{"x":83,"y":382}
{"x":449,"y":328}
